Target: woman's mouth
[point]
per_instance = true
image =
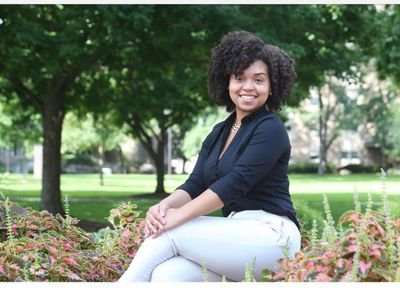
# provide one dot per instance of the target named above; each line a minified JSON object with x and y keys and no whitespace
{"x":247,"y":98}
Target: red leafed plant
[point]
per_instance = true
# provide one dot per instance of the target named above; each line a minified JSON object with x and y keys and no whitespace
{"x":37,"y":246}
{"x":368,"y":249}
{"x":355,"y":256}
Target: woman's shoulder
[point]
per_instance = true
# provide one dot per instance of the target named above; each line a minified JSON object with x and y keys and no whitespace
{"x":218,"y":125}
{"x":216,"y":130}
{"x":270,"y":119}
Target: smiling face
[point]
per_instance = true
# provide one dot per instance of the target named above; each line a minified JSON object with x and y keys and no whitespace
{"x":249,"y":91}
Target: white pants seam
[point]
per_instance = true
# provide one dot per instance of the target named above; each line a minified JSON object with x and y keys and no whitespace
{"x":174,"y":248}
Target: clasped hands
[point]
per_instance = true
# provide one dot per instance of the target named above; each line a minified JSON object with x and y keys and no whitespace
{"x":160,"y":218}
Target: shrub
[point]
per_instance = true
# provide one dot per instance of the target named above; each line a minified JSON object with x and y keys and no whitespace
{"x":363,"y":247}
{"x":81,"y":159}
{"x":357,"y":255}
{"x":307,"y":168}
{"x":360,"y":168}
{"x":37,"y":246}
{"x":308,"y":215}
{"x":309,"y":218}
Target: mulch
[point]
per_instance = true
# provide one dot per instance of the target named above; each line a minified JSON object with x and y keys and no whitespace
{"x":91,"y":226}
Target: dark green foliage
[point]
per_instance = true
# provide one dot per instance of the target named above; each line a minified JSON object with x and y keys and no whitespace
{"x":386,"y":47}
{"x":307,"y":215}
{"x":149,"y":62}
{"x":81,"y":159}
{"x":307,"y":168}
{"x":359,"y":168}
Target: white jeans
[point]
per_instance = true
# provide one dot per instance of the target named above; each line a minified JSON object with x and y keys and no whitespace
{"x":225,"y":245}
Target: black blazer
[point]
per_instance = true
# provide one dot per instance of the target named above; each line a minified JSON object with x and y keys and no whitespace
{"x":252,"y":172}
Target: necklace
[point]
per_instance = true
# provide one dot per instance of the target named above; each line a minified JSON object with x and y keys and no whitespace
{"x":235,"y":127}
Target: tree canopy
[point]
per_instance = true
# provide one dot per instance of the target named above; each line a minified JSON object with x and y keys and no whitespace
{"x":44,"y":50}
{"x":148,"y":63}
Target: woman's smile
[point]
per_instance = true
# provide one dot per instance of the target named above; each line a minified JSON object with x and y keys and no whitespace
{"x":249,"y":91}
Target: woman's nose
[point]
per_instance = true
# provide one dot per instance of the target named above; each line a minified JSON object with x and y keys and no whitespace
{"x":248,"y":85}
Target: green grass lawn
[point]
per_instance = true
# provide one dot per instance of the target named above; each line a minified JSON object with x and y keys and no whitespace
{"x":90,"y":201}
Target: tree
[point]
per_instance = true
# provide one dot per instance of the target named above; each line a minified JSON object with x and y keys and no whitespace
{"x":149,"y":62}
{"x":393,"y":150}
{"x":19,"y":128}
{"x":205,"y":123}
{"x":337,"y":111}
{"x":325,"y":41}
{"x":86,"y":133}
{"x":341,"y":57}
{"x":380,"y":97}
{"x":385,"y":47}
{"x":165,"y":84}
{"x":44,"y":51}
{"x":378,"y":116}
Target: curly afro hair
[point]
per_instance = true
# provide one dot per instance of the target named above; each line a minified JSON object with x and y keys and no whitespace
{"x":236,"y":52}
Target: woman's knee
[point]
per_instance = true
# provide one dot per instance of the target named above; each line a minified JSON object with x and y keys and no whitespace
{"x":180,"y":269}
{"x":177,"y":269}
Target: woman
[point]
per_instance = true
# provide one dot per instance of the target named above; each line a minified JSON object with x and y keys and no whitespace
{"x":242,"y":168}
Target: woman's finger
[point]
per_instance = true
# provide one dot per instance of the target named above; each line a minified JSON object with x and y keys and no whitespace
{"x":162,"y":208}
{"x":146,"y":231}
{"x":154,"y":235}
{"x":153,"y":224}
{"x":158,"y":213}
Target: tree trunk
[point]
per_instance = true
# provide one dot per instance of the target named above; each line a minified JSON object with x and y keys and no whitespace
{"x":146,"y":136}
{"x":322,"y":136}
{"x":184,"y":165}
{"x":160,"y":165}
{"x":53,"y":116}
{"x":100,"y":162}
{"x":121,"y":161}
{"x":322,"y":160}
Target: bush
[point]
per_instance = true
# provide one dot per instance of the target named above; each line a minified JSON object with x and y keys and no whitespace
{"x":308,"y":215}
{"x":36,"y":246}
{"x":363,"y":247}
{"x":81,"y":159}
{"x":359,"y":168}
{"x":358,"y":254}
{"x":307,"y":168}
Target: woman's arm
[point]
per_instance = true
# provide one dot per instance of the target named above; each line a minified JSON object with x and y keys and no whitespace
{"x":191,"y":189}
{"x":176,"y":199}
{"x":155,"y":216}
{"x":205,"y":203}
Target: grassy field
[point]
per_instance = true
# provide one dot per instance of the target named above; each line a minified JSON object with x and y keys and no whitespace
{"x":90,"y":201}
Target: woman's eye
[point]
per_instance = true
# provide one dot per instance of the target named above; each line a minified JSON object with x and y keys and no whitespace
{"x":259,"y":80}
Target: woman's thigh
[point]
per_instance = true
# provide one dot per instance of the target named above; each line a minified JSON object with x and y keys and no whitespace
{"x":227,"y":245}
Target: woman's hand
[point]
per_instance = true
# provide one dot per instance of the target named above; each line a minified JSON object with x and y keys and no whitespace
{"x":155,"y":219}
{"x":173,"y":218}
{"x":205,"y":203}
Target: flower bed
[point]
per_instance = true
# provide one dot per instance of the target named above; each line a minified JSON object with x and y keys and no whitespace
{"x":364,"y":247}
{"x":36,"y":246}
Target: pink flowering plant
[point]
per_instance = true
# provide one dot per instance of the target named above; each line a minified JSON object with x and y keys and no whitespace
{"x":37,"y":246}
{"x":364,"y":246}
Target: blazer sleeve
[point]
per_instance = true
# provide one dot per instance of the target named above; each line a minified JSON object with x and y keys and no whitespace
{"x":266,"y":146}
{"x":194,"y":185}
